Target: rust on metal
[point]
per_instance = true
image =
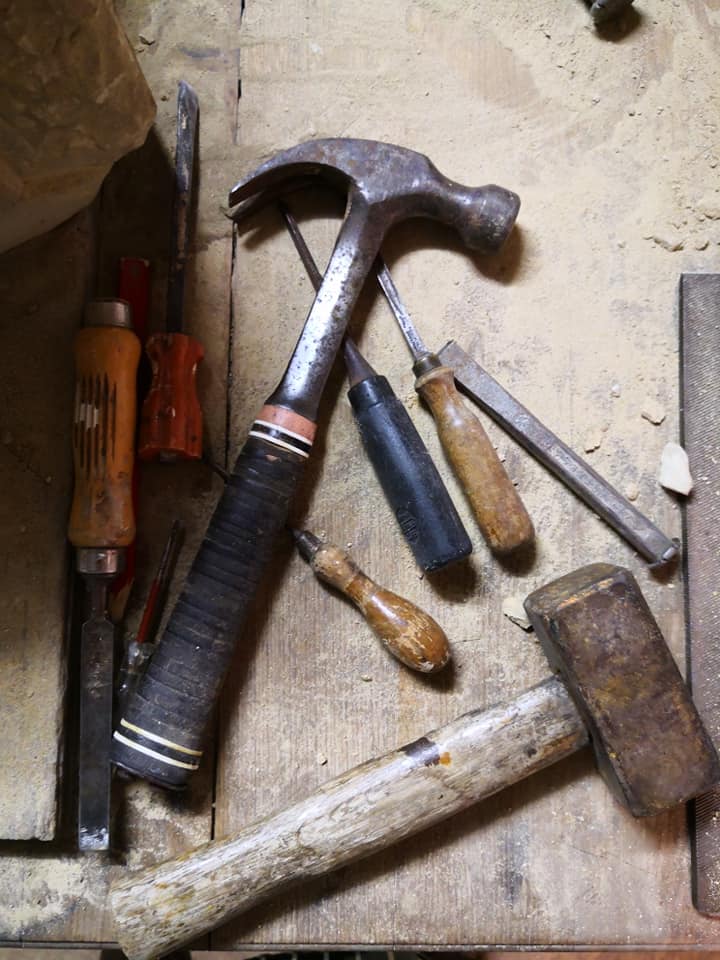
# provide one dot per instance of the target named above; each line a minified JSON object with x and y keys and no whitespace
{"x":385,"y":185}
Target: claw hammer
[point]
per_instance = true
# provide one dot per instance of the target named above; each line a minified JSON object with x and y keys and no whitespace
{"x":161,"y":733}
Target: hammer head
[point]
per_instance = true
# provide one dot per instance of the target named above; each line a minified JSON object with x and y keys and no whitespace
{"x":598,"y":632}
{"x":394,"y":184}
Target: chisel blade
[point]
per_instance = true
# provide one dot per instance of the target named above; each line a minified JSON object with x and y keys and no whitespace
{"x":700,"y":399}
{"x":96,"y":703}
{"x":183,"y":212}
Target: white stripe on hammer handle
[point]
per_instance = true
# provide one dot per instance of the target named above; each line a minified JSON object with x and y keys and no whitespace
{"x":361,"y":811}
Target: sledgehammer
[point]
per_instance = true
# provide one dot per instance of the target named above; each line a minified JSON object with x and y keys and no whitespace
{"x":620,"y":689}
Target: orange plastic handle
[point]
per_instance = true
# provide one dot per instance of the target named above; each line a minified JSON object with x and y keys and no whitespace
{"x":171,"y":421}
{"x":106,"y":362}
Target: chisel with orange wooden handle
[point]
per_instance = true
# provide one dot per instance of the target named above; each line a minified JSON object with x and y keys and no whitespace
{"x":500,"y":513}
{"x":406,"y":631}
{"x":171,"y":420}
{"x":101,"y":527}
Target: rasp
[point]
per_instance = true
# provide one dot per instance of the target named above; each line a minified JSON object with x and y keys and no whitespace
{"x":700,"y":426}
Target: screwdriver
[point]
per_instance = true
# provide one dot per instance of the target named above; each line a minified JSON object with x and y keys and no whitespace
{"x":409,"y":479}
{"x":171,"y":419}
{"x":498,"y":509}
{"x":407,"y":632}
{"x":101,"y":527}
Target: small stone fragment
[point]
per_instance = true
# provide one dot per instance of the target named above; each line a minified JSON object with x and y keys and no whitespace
{"x":321,"y":759}
{"x":632,"y":492}
{"x":675,"y":469}
{"x":700,"y":243}
{"x":514,"y":610}
{"x":710,"y":205}
{"x":668,"y":240}
{"x":593,"y":440}
{"x":365,"y":677}
{"x":148,"y":41}
{"x":653,"y":411}
{"x":615,"y":390}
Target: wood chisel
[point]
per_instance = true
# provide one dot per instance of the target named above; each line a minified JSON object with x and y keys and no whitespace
{"x":405,"y":470}
{"x":700,"y":425}
{"x":406,"y":631}
{"x":101,"y":527}
{"x":171,"y":419}
{"x":615,"y":509}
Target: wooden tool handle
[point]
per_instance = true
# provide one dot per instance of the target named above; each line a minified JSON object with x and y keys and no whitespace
{"x":498,"y":509}
{"x":161,"y":732}
{"x":171,"y":421}
{"x":106,"y":361}
{"x":361,"y":811}
{"x":407,"y":632}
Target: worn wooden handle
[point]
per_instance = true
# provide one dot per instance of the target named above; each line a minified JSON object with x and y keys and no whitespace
{"x":410,"y":634}
{"x":498,"y":509}
{"x":106,"y":361}
{"x":361,"y":811}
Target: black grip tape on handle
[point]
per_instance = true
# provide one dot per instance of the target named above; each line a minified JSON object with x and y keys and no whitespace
{"x":410,"y":481}
{"x":163,"y":726}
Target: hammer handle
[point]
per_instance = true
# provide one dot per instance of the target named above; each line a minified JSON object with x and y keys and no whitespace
{"x":499,"y":511}
{"x":161,"y":732}
{"x":366,"y":809}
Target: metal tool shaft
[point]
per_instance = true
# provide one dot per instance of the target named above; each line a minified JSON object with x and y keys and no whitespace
{"x":387,"y":285}
{"x":187,"y":121}
{"x":97,"y":641}
{"x":700,"y":386}
{"x":574,"y":472}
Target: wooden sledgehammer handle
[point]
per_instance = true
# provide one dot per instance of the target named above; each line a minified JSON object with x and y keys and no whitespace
{"x":361,"y":811}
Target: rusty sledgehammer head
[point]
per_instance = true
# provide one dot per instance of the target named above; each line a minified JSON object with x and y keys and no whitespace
{"x":598,"y":632}
{"x":396,"y":184}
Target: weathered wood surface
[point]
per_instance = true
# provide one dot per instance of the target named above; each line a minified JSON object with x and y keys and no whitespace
{"x":611,"y":143}
{"x":361,"y":811}
{"x":40,"y":315}
{"x":577,"y":318}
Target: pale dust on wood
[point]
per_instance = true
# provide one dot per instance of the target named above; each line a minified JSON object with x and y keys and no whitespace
{"x":577,"y":318}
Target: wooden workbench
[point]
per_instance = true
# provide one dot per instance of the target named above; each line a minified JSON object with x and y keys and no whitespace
{"x":611,"y":141}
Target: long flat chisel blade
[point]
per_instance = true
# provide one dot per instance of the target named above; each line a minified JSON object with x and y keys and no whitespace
{"x":183,"y":211}
{"x":97,"y":642}
{"x":700,"y":407}
{"x":574,"y":472}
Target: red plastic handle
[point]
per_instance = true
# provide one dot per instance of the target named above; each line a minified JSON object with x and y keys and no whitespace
{"x":171,"y":421}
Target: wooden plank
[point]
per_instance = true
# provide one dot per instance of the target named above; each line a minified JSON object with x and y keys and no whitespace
{"x":576,"y":318}
{"x":56,"y":896}
{"x":42,"y":311}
